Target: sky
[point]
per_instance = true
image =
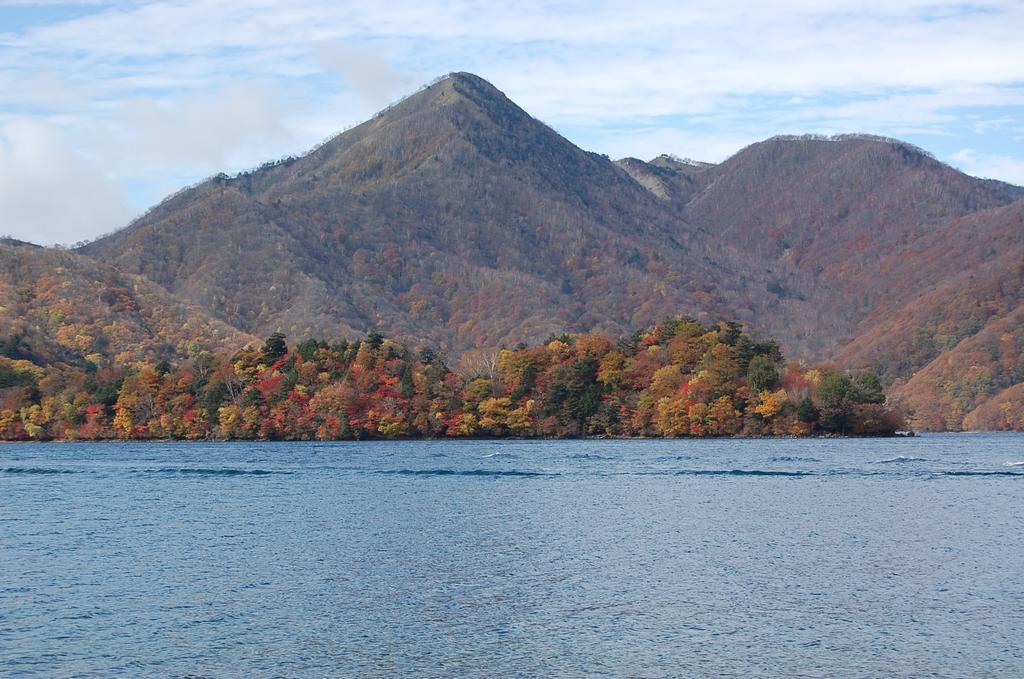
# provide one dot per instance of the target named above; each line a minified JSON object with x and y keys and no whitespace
{"x":107,"y":107}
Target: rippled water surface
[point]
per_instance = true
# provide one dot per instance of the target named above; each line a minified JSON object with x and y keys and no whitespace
{"x":899,"y":557}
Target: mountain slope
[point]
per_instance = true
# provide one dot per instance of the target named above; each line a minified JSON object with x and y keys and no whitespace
{"x":62,"y":307}
{"x":831,"y":204}
{"x":835,"y":207}
{"x":962,"y":276}
{"x":454,"y":218}
{"x":981,"y":368}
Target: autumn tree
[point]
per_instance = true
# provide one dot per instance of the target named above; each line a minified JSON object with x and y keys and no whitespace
{"x":675,"y":379}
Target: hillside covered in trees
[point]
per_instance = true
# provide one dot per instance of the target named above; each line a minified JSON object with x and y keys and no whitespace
{"x":677,"y":378}
{"x":456,"y":220}
{"x":61,"y":307}
{"x":426,"y":220}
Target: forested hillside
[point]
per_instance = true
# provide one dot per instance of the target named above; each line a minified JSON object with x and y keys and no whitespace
{"x":454,"y":219}
{"x":985,"y":366}
{"x":61,"y":307}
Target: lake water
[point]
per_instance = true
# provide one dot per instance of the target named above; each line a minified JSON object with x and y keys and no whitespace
{"x":894,"y":557}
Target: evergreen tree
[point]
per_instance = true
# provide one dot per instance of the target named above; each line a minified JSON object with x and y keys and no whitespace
{"x":275,"y":347}
{"x":867,"y":388}
{"x":762,"y":374}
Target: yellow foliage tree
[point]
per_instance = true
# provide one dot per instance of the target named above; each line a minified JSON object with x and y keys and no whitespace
{"x":697,"y":413}
{"x":494,"y":412}
{"x":771,"y":403}
{"x":722,"y":418}
{"x":673,"y":417}
{"x":521,"y":419}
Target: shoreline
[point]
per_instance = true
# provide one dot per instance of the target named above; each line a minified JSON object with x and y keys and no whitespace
{"x":517,"y":439}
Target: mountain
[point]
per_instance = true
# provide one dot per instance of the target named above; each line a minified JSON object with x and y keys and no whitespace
{"x":913,"y":257}
{"x":61,"y":307}
{"x":847,"y":212}
{"x":455,"y":219}
{"x":833,"y":205}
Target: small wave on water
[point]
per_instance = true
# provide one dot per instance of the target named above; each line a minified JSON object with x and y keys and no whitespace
{"x":587,"y":456}
{"x":463,"y":472}
{"x":1012,"y":463}
{"x":208,"y":471}
{"x":900,"y":459}
{"x":793,"y":458}
{"x":501,"y":453}
{"x":741,"y":472}
{"x":37,"y":470}
{"x":982,"y":473}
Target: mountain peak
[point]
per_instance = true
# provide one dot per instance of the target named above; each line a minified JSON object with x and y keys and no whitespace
{"x":468,"y":79}
{"x":458,"y":85}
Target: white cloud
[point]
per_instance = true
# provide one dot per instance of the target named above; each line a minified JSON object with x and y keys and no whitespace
{"x":366,"y":70}
{"x":990,"y":165}
{"x":47,"y":193}
{"x":603,"y":60}
{"x":200,"y":130}
{"x":153,"y":91}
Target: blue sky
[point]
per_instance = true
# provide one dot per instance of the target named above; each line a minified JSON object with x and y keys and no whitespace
{"x":108,"y":106}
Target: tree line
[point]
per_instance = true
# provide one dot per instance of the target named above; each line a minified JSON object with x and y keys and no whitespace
{"x":675,"y":379}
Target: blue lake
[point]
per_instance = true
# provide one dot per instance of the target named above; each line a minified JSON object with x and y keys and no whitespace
{"x":887,"y":557}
